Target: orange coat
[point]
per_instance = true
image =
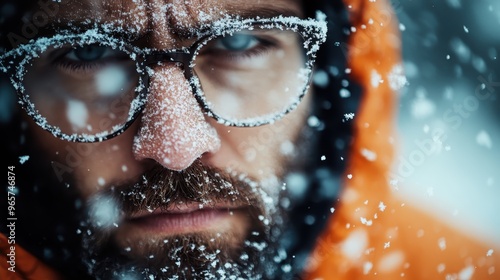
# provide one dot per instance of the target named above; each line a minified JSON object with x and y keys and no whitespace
{"x":26,"y":266}
{"x":371,"y":234}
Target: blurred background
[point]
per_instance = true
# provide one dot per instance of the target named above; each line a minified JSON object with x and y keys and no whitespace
{"x":449,"y":115}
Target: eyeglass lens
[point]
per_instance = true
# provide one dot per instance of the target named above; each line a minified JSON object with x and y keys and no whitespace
{"x":252,"y":74}
{"x":82,"y":89}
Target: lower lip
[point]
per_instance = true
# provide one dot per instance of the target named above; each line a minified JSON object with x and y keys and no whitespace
{"x":173,"y":223}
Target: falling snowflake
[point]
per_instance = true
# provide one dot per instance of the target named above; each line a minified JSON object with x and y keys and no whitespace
{"x":23,"y":159}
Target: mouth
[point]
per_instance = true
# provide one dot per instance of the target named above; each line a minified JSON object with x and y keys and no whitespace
{"x":186,"y":218}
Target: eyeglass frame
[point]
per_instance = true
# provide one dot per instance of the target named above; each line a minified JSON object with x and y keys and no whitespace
{"x":313,"y":31}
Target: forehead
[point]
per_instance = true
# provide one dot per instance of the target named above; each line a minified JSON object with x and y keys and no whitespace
{"x":153,"y":14}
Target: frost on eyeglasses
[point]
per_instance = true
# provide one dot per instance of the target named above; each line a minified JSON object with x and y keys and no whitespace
{"x":110,"y":82}
{"x":261,"y":252}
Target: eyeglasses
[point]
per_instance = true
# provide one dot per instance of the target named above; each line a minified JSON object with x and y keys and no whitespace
{"x":91,"y":86}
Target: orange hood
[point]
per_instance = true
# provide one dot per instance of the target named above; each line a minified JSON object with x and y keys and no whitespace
{"x":371,"y":234}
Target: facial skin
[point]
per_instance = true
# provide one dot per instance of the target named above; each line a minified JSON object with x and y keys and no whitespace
{"x":174,"y":138}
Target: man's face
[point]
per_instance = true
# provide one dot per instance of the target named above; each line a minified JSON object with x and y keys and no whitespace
{"x":178,"y":192}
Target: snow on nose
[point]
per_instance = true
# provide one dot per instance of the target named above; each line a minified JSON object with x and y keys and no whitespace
{"x":173,"y":129}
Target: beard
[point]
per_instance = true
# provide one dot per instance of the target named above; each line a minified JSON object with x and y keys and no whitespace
{"x":250,"y":250}
{"x":80,"y":238}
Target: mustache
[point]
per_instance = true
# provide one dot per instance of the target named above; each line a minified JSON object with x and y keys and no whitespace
{"x":166,"y":189}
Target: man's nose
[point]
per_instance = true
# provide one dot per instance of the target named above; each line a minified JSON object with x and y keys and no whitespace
{"x":173,"y":128}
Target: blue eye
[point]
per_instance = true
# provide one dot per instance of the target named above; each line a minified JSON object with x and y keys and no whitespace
{"x":88,"y":57}
{"x":88,"y":53}
{"x":237,"y":42}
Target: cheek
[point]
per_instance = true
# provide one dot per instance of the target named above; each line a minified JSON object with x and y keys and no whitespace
{"x":260,"y":151}
{"x":91,"y":166}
